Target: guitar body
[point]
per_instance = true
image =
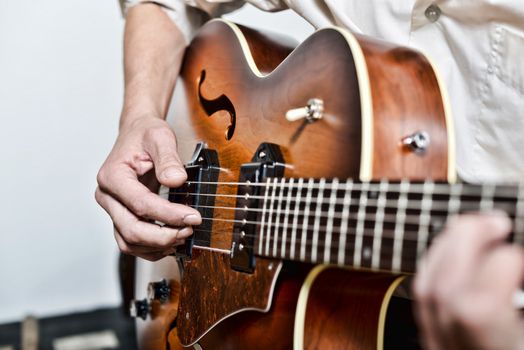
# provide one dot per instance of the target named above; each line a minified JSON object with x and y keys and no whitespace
{"x":237,"y":87}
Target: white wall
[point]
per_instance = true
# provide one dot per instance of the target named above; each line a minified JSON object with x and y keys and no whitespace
{"x":60,"y":97}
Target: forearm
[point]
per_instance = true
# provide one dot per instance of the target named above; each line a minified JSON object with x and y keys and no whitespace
{"x":153,"y":51}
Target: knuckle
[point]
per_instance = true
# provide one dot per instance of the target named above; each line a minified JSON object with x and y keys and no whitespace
{"x":140,"y":206}
{"x":98,"y":196}
{"x":101,"y":177}
{"x":133,"y":235}
{"x":166,"y":237}
{"x":167,"y":159}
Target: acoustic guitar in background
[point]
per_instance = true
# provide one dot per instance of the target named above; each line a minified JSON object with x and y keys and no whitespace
{"x":322,"y":173}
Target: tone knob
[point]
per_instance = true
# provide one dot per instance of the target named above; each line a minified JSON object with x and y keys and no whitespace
{"x":139,"y":308}
{"x":160,"y":291}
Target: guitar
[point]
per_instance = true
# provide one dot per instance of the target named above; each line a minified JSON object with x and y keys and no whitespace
{"x":322,"y":173}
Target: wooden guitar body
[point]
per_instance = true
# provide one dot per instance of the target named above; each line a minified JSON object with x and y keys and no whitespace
{"x":237,"y":87}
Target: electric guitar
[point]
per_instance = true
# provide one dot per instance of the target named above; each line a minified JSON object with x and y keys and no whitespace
{"x":322,"y":173}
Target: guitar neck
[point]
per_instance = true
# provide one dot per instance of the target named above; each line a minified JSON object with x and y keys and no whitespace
{"x":375,"y":225}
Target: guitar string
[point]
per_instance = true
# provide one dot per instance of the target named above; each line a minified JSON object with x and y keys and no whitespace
{"x":367,"y":233}
{"x":409,"y":235}
{"x":413,"y":204}
{"x":385,"y":253}
{"x":414,"y":188}
{"x":308,"y":242}
{"x":411,"y":218}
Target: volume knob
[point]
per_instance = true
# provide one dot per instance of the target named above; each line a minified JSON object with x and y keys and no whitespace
{"x":139,"y":308}
{"x":160,"y":291}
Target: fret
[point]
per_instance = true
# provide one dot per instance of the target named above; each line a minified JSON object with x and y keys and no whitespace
{"x":318,"y":215}
{"x":379,"y":224}
{"x":261,"y":236}
{"x":344,"y":223}
{"x":277,"y":219}
{"x":286,"y":217}
{"x":303,"y":238}
{"x":295,"y":218}
{"x":454,"y":200}
{"x":331,"y":215}
{"x":361,"y":217}
{"x":486,"y":199}
{"x":399,"y":226}
{"x":519,"y":216}
{"x":270,"y":212}
{"x":424,"y":218}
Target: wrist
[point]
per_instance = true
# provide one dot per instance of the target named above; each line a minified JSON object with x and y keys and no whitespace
{"x":132,"y":119}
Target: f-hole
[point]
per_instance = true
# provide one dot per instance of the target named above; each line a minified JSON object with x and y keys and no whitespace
{"x":221,"y":103}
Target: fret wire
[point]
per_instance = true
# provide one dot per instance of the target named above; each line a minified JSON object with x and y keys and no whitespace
{"x":454,"y":201}
{"x":379,"y":224}
{"x":331,"y":214}
{"x":399,"y":227}
{"x":486,"y":199}
{"x":261,"y":236}
{"x":425,"y":218}
{"x":295,"y":217}
{"x":286,"y":218}
{"x":361,"y":215}
{"x":344,"y":222}
{"x":316,"y":223}
{"x":277,"y":221}
{"x":306,"y":218}
{"x":270,"y":219}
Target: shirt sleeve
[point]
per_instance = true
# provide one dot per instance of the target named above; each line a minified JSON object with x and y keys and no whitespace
{"x":189,"y":15}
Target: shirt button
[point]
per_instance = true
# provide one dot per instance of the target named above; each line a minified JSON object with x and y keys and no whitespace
{"x":433,"y":13}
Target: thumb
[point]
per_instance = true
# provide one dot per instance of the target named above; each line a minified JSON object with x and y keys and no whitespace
{"x":168,"y":168}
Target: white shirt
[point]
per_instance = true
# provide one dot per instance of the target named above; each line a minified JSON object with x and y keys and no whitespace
{"x":477,"y":45}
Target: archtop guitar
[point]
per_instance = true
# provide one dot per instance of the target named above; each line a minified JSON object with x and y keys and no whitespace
{"x":322,"y":173}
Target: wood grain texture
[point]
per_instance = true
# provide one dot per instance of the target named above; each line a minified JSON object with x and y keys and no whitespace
{"x":211,"y":291}
{"x":343,"y":309}
{"x":406,"y":99}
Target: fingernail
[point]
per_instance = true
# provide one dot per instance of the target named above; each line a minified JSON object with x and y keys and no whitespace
{"x":172,"y":172}
{"x":185,"y":232}
{"x":192,"y":219}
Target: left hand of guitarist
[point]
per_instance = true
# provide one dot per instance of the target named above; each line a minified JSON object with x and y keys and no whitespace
{"x":465,"y":286}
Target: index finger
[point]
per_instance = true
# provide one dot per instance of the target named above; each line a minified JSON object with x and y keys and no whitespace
{"x":123,"y":184}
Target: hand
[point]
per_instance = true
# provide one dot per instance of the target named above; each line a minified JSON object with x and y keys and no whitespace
{"x":465,"y":285}
{"x":142,"y":145}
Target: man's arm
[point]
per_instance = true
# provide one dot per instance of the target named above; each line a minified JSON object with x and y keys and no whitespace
{"x":153,"y":50}
{"x":465,"y":285}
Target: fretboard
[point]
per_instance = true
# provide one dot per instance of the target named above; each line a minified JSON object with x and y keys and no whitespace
{"x":375,"y":225}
